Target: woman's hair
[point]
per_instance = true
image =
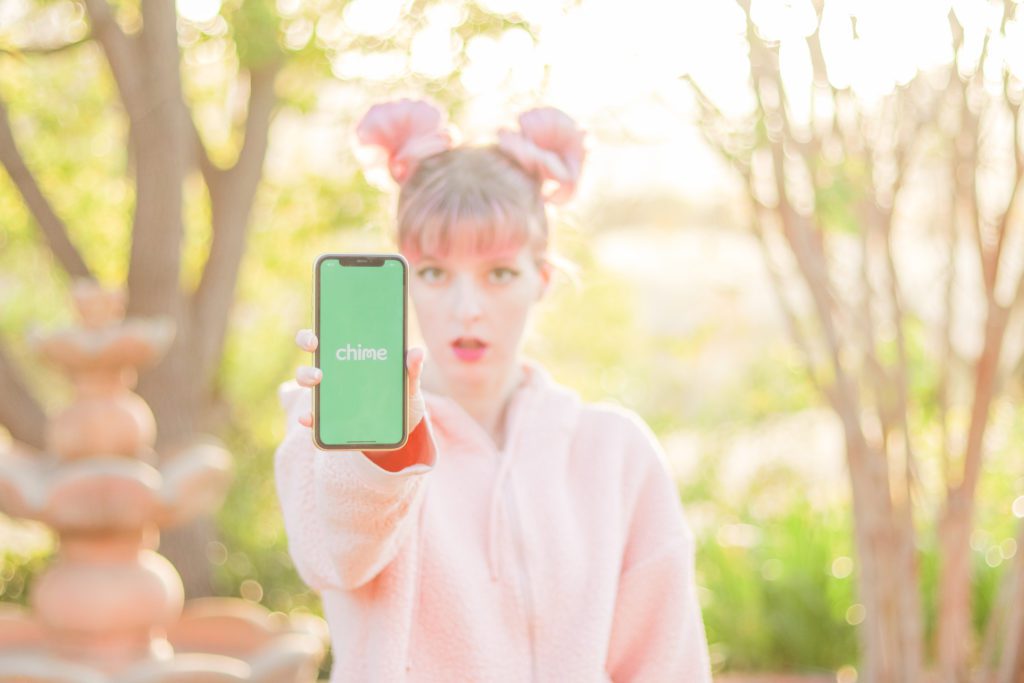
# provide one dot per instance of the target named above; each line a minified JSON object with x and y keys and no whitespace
{"x":475,"y":198}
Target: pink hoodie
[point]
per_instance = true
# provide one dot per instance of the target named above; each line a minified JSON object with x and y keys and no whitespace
{"x":565,"y":557}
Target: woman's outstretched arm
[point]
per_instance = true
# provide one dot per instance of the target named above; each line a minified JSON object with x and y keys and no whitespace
{"x":345,"y":515}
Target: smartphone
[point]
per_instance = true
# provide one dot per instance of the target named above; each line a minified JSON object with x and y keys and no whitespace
{"x":359,"y":310}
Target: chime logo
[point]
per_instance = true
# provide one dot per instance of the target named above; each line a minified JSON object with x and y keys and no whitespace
{"x":359,"y":353}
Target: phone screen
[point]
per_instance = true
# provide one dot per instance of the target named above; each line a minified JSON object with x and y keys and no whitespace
{"x":360,"y":401}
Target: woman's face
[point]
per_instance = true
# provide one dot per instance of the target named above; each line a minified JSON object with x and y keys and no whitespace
{"x":472,"y":309}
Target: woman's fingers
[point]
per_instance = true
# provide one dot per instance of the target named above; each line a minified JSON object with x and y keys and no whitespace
{"x":306,"y":340}
{"x":414,"y":361}
{"x":308,"y":376}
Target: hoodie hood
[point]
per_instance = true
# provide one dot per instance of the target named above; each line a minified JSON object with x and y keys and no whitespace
{"x":540,"y":422}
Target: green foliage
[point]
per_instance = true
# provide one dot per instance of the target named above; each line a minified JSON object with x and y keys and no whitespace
{"x":836,"y":202}
{"x":775,"y":383}
{"x":25,"y":552}
{"x":765,"y":567}
{"x":775,"y":606}
{"x":600,"y":313}
{"x":924,"y":372}
{"x":255,"y":28}
{"x":71,"y":135}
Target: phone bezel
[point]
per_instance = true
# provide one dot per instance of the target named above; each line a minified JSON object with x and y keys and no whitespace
{"x":405,"y":334}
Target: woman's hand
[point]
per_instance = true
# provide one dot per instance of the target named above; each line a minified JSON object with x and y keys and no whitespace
{"x":309,"y":376}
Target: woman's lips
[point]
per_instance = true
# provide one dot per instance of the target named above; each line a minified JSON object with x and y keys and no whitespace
{"x":469,"y":349}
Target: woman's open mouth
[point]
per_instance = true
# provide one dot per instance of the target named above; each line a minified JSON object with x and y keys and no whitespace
{"x":469,"y":349}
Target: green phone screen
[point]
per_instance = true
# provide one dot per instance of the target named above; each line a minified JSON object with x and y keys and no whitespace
{"x":361,"y":327}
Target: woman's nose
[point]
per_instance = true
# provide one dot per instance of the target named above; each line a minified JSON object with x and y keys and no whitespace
{"x":467,"y":301}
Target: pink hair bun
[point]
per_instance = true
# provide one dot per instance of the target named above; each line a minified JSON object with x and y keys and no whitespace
{"x":408,"y":130}
{"x":548,"y":145}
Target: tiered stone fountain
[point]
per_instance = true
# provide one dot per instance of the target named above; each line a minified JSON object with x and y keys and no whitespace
{"x":110,"y":609}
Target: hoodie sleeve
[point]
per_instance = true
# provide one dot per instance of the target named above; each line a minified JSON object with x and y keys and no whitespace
{"x":345,"y":516}
{"x":657,"y":630}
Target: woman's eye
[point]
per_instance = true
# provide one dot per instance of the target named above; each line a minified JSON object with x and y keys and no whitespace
{"x":430,"y":273}
{"x":503,"y":274}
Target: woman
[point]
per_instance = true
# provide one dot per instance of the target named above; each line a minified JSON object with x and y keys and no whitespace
{"x":521,"y":534}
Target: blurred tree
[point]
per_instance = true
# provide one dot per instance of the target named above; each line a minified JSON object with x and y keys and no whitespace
{"x":828,"y":171}
{"x":165,"y":146}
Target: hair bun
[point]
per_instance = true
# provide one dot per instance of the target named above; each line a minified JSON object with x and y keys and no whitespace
{"x":548,"y":145}
{"x":408,"y":130}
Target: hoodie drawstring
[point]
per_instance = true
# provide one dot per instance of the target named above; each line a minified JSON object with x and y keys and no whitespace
{"x":537,"y":378}
{"x":504,"y":466}
{"x":492,"y":531}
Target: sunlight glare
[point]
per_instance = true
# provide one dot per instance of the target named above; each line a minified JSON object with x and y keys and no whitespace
{"x":374,"y":17}
{"x":780,"y":19}
{"x":198,"y":11}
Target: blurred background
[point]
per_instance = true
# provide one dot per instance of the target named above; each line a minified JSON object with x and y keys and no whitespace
{"x":801,"y":251}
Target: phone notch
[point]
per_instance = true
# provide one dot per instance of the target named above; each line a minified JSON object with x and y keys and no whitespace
{"x":361,"y":261}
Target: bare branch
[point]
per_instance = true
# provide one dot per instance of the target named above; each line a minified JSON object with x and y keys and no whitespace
{"x":778,"y":285}
{"x":52,"y":226}
{"x":986,"y":369}
{"x":248,"y":168}
{"x":878,"y":374}
{"x":1012,"y":203}
{"x":211,"y":173}
{"x":231,"y":197}
{"x":967,"y":185}
{"x":122,"y":53}
{"x":902,"y":378}
{"x":705,"y":101}
{"x":987,"y":364}
{"x":947,"y":343}
{"x":820,"y":72}
{"x":809,"y":254}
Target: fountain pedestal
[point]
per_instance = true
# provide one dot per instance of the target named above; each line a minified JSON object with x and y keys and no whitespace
{"x":109,"y":608}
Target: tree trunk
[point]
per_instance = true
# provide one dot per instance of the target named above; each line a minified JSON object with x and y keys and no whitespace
{"x":165,"y":145}
{"x":19,"y":412}
{"x":887,"y":581}
{"x":954,"y":599}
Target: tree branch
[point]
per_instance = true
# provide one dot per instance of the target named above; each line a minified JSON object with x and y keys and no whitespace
{"x":987,"y":365}
{"x":949,"y":312}
{"x":986,"y":370}
{"x":231,"y":198}
{"x":1018,"y":181}
{"x":778,"y":285}
{"x":211,"y":174}
{"x":122,"y":53}
{"x":810,"y":256}
{"x":52,"y":226}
